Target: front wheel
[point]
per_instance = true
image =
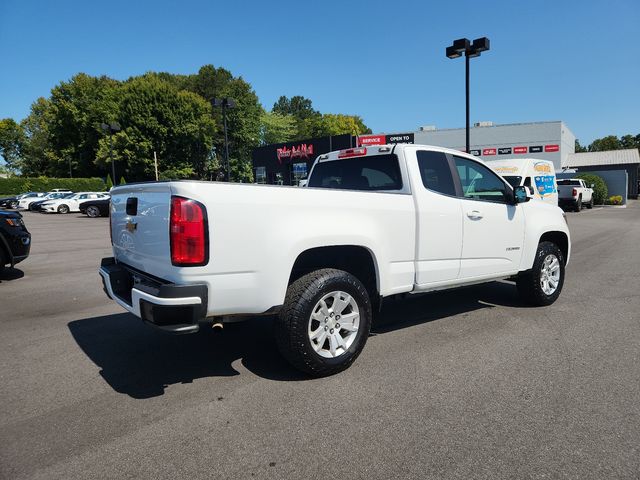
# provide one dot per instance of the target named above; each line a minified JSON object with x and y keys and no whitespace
{"x":543,"y":283}
{"x":325,"y":322}
{"x":63,"y":208}
{"x":590,"y":204}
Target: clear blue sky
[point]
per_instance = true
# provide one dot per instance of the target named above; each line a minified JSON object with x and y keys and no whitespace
{"x":575,"y":61}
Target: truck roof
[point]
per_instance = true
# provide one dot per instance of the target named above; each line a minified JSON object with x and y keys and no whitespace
{"x":390,"y":148}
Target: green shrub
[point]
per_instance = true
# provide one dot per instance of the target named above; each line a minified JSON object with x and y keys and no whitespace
{"x":615,"y":200}
{"x":600,"y":190}
{"x":17,"y":185}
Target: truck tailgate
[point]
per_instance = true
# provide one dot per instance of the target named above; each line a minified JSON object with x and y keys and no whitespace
{"x":140,"y":226}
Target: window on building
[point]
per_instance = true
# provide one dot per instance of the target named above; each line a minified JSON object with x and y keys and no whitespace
{"x":435,"y":172}
{"x":261,"y":175}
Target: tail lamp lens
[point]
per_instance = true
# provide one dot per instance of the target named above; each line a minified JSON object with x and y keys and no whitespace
{"x":188,"y":232}
{"x":574,"y":193}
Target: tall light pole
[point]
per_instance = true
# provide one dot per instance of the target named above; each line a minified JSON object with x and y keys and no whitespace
{"x":111,"y":128}
{"x":470,"y":50}
{"x":225,"y":103}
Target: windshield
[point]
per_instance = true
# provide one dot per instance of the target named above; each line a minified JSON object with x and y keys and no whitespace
{"x":375,"y":172}
{"x":574,"y":183}
{"x":513,"y":180}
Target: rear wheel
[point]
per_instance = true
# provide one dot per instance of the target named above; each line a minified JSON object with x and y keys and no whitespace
{"x":93,"y":212}
{"x":3,"y":259}
{"x":325,"y":322}
{"x":579,"y":204}
{"x":543,"y":283}
{"x":63,"y":208}
{"x":13,"y":205}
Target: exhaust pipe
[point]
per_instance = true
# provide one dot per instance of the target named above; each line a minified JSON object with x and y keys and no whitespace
{"x":217,"y":326}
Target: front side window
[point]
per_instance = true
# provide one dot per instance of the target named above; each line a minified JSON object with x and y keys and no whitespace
{"x":480,"y":183}
{"x":435,"y":172}
{"x":375,"y":172}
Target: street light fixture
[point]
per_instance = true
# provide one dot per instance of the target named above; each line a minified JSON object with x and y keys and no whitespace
{"x":225,"y":103}
{"x":111,"y":128}
{"x":470,"y":50}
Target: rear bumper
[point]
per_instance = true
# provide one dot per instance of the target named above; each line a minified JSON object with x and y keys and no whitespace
{"x":567,"y":202}
{"x":170,"y":307}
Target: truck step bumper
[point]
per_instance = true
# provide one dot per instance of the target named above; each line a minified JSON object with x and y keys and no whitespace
{"x":170,"y":307}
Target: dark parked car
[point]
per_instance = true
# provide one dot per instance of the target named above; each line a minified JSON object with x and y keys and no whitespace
{"x":15,"y":240}
{"x":12,"y":202}
{"x":95,"y":208}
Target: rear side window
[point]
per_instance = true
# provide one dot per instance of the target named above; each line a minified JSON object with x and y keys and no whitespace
{"x":574,"y":183}
{"x":435,"y":172}
{"x":375,"y":172}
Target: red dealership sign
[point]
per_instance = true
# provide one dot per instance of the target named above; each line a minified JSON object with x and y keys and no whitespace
{"x":519,"y":149}
{"x":303,"y":150}
{"x":551,"y":148}
{"x":489,"y":151}
{"x":365,"y":140}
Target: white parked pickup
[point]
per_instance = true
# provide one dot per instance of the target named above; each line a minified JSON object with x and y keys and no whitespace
{"x":372,"y":222}
{"x":574,"y":193}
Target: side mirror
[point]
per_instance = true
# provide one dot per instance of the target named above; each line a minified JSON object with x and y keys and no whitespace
{"x":593,"y":185}
{"x":520,"y":194}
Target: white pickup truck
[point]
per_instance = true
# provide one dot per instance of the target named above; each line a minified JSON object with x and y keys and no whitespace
{"x":574,"y":193}
{"x":372,"y":223}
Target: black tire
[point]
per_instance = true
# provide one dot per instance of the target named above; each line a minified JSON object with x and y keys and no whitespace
{"x":529,"y":283}
{"x":93,"y":211}
{"x":3,"y":259}
{"x":63,"y":208}
{"x":590,"y":204}
{"x":294,"y":321}
{"x":579,"y":204}
{"x":13,"y":205}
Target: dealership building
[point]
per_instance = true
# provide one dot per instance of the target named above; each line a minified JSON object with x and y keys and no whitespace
{"x":288,"y":163}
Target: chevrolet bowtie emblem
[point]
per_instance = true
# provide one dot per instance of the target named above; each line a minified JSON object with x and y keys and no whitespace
{"x":131,"y":226}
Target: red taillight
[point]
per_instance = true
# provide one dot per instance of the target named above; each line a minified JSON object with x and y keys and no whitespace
{"x":352,"y":152}
{"x":574,"y":193}
{"x":188,"y":231}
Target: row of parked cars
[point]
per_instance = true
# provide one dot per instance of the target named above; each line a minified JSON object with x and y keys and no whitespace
{"x":15,"y":239}
{"x":92,"y":204}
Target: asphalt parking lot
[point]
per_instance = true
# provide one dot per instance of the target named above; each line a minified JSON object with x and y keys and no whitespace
{"x":461,"y":384}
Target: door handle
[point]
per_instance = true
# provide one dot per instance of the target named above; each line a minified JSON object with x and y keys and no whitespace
{"x":474,"y":215}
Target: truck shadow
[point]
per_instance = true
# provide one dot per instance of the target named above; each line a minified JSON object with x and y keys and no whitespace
{"x":140,"y":361}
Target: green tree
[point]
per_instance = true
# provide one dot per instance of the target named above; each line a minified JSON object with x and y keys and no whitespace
{"x":297,"y":106}
{"x":156,"y":116}
{"x":12,"y":142}
{"x":109,"y":182}
{"x":277,"y":128}
{"x":74,"y":114}
{"x":600,"y":191}
{"x":122,"y":181}
{"x":37,"y":153}
{"x":580,"y":148}
{"x":243,"y":121}
{"x":630,"y":141}
{"x":338,"y":124}
{"x":308,"y":120}
{"x":610,"y":142}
